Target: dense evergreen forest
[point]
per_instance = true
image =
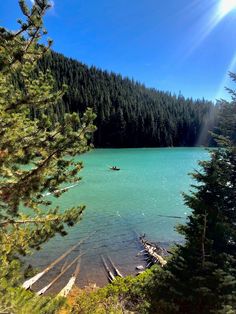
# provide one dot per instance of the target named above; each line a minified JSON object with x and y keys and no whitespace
{"x":128,"y":113}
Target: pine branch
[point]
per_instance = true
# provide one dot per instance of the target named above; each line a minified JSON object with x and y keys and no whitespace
{"x":28,"y":221}
{"x":47,"y":160}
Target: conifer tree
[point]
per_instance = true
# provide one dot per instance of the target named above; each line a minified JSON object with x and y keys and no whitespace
{"x":33,"y":151}
{"x":200,"y":277}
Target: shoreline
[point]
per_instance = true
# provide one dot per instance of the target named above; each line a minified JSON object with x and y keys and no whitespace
{"x":86,"y":275}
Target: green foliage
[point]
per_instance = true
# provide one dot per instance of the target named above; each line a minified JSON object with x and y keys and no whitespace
{"x":96,"y":303}
{"x":124,"y":295}
{"x":200,"y":277}
{"x":36,"y":154}
{"x":225,"y":133}
{"x":19,"y":301}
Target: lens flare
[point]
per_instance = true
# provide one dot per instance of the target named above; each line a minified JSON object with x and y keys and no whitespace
{"x":215,"y":12}
{"x":226,"y":6}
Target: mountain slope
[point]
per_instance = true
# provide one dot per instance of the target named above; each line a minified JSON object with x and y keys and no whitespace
{"x":128,"y":113}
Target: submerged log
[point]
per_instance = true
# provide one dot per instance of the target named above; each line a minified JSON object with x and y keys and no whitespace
{"x":118,"y":273}
{"x":66,"y":290}
{"x":111,"y":276}
{"x":28,"y":283}
{"x":43,"y":290}
{"x":174,"y":217}
{"x":61,"y":190}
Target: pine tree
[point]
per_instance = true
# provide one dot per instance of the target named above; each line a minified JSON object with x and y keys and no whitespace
{"x":200,"y":277}
{"x":33,"y":151}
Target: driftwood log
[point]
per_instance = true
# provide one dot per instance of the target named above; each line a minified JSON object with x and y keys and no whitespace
{"x":154,"y":251}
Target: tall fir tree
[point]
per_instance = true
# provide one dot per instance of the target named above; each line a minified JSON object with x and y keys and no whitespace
{"x":200,"y":277}
{"x":32,"y":154}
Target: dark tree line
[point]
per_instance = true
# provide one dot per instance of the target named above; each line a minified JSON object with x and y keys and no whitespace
{"x":128,"y":113}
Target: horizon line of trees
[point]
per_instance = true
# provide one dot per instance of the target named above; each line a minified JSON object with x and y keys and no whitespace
{"x":128,"y":113}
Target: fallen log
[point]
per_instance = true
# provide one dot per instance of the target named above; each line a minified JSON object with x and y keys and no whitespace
{"x":43,"y":290}
{"x":66,"y":290}
{"x":28,"y":283}
{"x":152,"y":250}
{"x":64,"y":265}
{"x":118,"y":273}
{"x":111,"y":277}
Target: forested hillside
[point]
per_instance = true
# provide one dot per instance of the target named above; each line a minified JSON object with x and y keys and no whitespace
{"x":128,"y":113}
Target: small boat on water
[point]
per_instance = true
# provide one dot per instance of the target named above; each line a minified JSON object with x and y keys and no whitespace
{"x":114,"y":168}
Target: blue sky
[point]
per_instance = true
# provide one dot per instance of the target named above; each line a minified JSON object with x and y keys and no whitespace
{"x":172,"y":45}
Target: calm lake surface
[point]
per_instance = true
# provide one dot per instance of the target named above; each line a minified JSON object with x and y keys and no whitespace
{"x":120,"y":205}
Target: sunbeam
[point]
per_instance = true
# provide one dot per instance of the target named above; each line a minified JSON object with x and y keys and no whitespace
{"x":225,"y":82}
{"x":216,"y":11}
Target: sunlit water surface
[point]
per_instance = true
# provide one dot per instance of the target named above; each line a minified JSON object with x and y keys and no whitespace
{"x":120,"y":205}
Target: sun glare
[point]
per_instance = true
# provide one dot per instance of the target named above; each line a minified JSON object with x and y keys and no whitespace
{"x":226,"y":6}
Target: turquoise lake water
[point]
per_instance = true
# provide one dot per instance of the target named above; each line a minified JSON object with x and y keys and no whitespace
{"x":120,"y":205}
